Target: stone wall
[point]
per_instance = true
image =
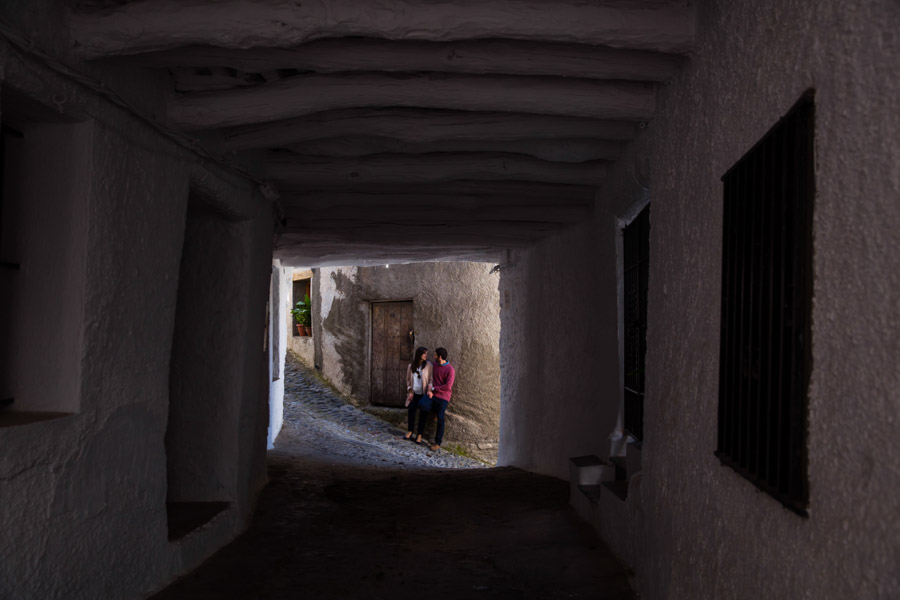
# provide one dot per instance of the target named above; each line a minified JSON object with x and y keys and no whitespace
{"x":691,"y":527}
{"x":455,"y":305}
{"x":141,"y":331}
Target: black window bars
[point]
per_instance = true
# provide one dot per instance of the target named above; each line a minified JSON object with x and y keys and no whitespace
{"x":636,"y":246}
{"x":5,"y":131}
{"x":765,"y":345}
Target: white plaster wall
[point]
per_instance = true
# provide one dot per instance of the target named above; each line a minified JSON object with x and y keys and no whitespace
{"x":253,"y":417}
{"x":84,"y":496}
{"x":203,"y":397}
{"x":849,"y":53}
{"x":279,"y":306}
{"x":696,"y":529}
{"x":558,"y":341}
{"x":754,"y":62}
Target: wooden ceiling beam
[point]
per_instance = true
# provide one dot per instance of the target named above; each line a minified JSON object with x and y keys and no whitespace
{"x":287,"y":169}
{"x":563,"y":150}
{"x":356,"y":201}
{"x":416,"y":126}
{"x":462,"y":193}
{"x":630,"y":101}
{"x":149,"y":25}
{"x":327,"y":218}
{"x":485,"y":57}
{"x":497,"y":234}
{"x":314,"y":248}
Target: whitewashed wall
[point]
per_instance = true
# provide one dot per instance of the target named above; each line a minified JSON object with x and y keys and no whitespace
{"x":84,"y":496}
{"x":279,"y":313}
{"x":558,"y":350}
{"x":693,"y":528}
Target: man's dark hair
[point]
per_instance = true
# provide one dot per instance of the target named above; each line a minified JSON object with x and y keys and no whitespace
{"x":442,"y":352}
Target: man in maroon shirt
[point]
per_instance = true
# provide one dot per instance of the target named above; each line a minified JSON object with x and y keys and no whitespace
{"x":442,"y":385}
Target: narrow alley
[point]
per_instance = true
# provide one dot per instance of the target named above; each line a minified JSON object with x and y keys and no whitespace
{"x":657,"y":241}
{"x":352,"y":510}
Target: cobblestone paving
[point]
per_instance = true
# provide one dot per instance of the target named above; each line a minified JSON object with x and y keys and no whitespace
{"x":319,"y":419}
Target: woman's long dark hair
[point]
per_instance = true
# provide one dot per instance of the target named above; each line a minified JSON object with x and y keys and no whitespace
{"x":416,"y":363}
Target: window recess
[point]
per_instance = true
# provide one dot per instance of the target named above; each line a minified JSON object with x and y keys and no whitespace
{"x":636,"y":253}
{"x":43,"y":231}
{"x":5,"y":132}
{"x":765,"y":343}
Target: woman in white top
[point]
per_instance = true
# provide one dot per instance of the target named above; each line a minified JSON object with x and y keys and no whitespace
{"x":418,"y":385}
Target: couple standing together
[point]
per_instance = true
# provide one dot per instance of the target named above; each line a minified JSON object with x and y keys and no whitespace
{"x":428,"y":388}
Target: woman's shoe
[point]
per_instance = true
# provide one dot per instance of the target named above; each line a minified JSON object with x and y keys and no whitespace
{"x":408,"y":435}
{"x":419,"y":439}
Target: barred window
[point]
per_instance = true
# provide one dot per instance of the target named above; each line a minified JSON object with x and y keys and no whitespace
{"x":765,"y":343}
{"x":636,"y":246}
{"x":6,"y":133}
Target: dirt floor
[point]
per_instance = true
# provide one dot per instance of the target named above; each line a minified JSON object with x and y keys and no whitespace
{"x":329,"y":525}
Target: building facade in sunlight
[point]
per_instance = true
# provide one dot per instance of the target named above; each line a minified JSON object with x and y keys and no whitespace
{"x":367,"y":321}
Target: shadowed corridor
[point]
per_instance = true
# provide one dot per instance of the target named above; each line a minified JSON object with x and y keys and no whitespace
{"x":329,"y":526}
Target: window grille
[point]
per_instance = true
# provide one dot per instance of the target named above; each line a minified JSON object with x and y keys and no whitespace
{"x":5,"y":131}
{"x":636,"y":242}
{"x":765,"y":340}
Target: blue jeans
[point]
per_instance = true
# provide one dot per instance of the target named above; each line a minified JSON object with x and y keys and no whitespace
{"x":438,"y":406}
{"x":411,"y":414}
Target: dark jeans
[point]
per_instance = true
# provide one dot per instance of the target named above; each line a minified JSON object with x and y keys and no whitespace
{"x":423,"y":416}
{"x":438,"y":406}
{"x":411,"y":414}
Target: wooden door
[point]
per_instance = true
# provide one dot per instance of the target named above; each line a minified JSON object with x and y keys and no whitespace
{"x":392,"y":347}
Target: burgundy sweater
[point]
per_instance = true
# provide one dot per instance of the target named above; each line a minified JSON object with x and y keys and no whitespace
{"x":442,"y":377}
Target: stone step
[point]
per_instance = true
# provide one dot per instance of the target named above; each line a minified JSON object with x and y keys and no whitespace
{"x":590,"y":470}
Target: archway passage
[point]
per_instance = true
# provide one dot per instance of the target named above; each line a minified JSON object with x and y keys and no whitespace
{"x":367,"y":133}
{"x":366,"y":324}
{"x":342,"y":518}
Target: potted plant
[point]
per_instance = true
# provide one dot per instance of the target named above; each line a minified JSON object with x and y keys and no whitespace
{"x":302,"y":315}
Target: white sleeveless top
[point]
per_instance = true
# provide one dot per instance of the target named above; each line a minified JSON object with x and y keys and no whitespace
{"x":417,"y":381}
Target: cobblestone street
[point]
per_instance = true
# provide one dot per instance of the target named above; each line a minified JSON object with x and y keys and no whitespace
{"x":354,"y":511}
{"x":316,"y":420}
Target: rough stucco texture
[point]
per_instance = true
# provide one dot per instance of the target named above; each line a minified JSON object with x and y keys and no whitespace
{"x":455,"y":305}
{"x":558,"y":334}
{"x":203,"y":399}
{"x":698,"y":529}
{"x":302,"y":345}
{"x":84,"y":496}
